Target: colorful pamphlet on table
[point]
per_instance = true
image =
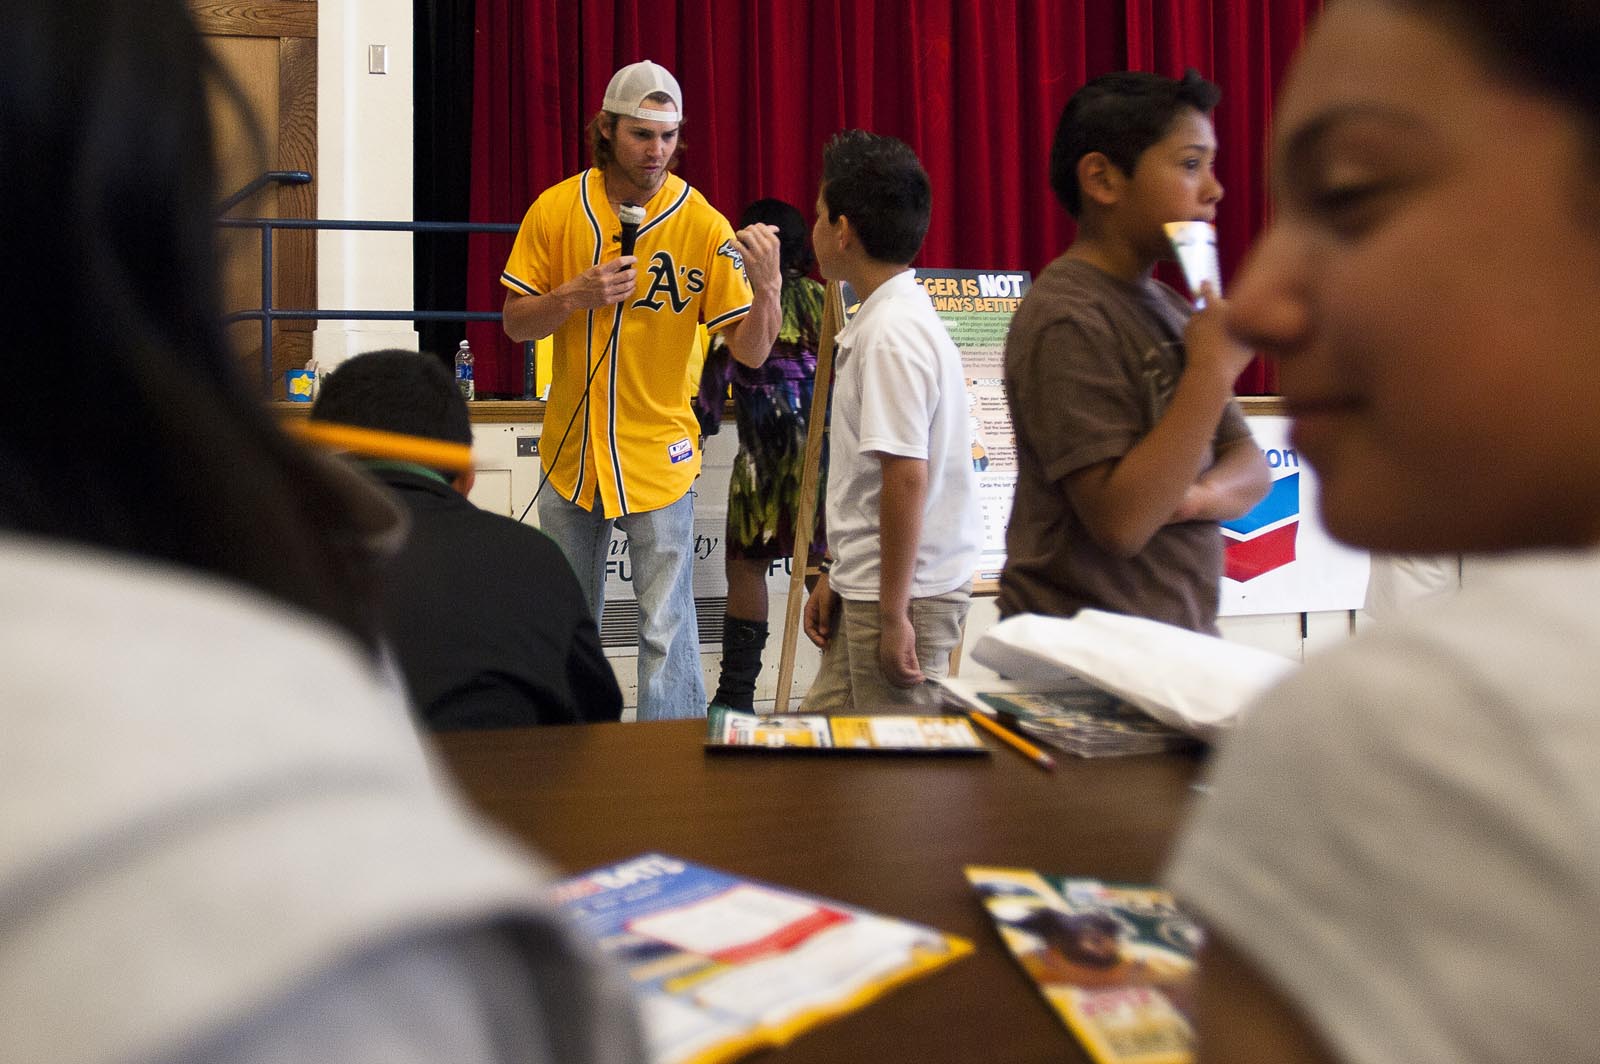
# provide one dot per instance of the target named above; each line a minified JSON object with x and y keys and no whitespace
{"x":1116,"y":962}
{"x":902,"y":733}
{"x":1069,"y":714}
{"x":725,"y":966}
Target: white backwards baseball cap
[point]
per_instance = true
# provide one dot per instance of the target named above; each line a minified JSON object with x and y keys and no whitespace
{"x":630,"y":85}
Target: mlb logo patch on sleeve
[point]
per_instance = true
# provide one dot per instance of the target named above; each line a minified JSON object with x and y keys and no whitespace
{"x":681,"y":451}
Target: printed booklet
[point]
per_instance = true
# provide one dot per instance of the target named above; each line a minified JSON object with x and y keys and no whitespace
{"x":725,"y":966}
{"x":1115,"y":961}
{"x":925,"y":733}
{"x":1069,"y":714}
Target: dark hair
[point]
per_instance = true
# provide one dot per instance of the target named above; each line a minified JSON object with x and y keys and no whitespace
{"x":1120,"y":115}
{"x":125,"y":423}
{"x":794,"y":253}
{"x":1549,"y":46}
{"x":396,"y":391}
{"x":878,"y":183}
{"x":603,"y":125}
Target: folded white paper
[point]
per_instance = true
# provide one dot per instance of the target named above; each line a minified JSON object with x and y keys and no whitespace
{"x":1196,"y":683}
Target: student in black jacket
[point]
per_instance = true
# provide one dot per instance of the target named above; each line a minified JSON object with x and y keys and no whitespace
{"x":484,"y":613}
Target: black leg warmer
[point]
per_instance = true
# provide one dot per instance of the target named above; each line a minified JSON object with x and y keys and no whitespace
{"x":742,"y":644}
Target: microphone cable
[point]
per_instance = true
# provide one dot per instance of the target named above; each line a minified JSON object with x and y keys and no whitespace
{"x":630,"y":215}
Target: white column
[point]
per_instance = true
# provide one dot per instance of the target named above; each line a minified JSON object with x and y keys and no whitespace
{"x":364,"y":170}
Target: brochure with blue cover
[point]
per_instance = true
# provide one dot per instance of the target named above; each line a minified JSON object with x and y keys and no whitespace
{"x":726,"y":965}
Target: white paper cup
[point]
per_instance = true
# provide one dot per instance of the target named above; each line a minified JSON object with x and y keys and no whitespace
{"x":1196,"y":245}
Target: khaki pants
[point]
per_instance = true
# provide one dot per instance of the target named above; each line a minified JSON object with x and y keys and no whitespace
{"x":850,"y":677}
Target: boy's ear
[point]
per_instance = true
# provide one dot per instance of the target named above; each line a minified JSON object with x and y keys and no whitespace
{"x":464,"y":480}
{"x":843,"y":231}
{"x":1100,"y":179}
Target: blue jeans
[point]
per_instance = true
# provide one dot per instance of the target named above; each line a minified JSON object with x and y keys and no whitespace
{"x":661,"y":550}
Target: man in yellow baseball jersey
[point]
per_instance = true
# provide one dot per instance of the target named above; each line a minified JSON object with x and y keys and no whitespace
{"x":619,"y":443}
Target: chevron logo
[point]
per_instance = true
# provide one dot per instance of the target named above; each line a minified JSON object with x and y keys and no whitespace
{"x":1263,"y":539}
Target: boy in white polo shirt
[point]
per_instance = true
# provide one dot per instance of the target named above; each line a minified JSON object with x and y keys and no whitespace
{"x":902,"y":501}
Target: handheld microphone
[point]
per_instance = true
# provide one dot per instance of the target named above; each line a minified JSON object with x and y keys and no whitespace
{"x":631,"y":215}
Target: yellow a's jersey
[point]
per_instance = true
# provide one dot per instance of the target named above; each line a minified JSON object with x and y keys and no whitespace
{"x":635,"y":439}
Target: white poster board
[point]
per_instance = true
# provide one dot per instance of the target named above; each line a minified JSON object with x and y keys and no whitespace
{"x":977,"y":306}
{"x":1278,"y":558}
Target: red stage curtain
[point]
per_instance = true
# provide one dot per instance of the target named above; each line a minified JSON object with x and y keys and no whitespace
{"x":974,"y":86}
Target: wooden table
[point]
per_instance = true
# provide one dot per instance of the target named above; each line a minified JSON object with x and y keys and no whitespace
{"x":887,"y":833}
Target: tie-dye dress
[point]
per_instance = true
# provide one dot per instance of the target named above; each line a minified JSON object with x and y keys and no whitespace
{"x":771,"y":406}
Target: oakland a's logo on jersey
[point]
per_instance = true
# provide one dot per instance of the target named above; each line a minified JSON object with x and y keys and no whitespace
{"x":665,"y":281}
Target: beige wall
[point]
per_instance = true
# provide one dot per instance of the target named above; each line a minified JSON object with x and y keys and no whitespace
{"x":364,"y":151}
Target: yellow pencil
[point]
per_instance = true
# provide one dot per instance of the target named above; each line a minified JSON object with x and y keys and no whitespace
{"x":1013,"y":740}
{"x":375,"y":443}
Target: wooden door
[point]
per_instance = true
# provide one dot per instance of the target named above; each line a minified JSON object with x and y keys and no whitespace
{"x":270,"y":50}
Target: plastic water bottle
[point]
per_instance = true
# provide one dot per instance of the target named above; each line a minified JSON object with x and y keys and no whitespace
{"x":464,"y":371}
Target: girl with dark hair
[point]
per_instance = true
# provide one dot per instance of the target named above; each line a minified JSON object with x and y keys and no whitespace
{"x":772,"y":406}
{"x":1397,"y":858}
{"x":221,"y":840}
{"x":132,"y":431}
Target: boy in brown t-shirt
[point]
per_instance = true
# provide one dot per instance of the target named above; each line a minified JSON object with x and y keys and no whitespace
{"x":1131,"y":447}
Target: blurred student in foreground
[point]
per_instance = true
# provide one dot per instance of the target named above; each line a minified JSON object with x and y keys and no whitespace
{"x":219,"y":837}
{"x":484,"y":613}
{"x":1398,"y":861}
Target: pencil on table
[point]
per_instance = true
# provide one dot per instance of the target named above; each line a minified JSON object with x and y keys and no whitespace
{"x":1013,"y":740}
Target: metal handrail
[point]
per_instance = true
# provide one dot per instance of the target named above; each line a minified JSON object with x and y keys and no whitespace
{"x":266,"y":314}
{"x":271,"y":177}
